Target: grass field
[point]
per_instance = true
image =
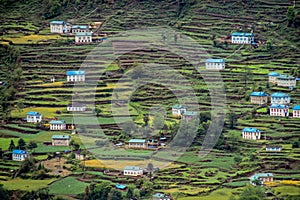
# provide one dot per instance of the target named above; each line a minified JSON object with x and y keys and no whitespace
{"x":68,"y":185}
{"x":26,"y":184}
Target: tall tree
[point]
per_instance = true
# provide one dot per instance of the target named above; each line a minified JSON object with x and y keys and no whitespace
{"x":12,"y":146}
{"x":10,"y":73}
{"x":21,"y":144}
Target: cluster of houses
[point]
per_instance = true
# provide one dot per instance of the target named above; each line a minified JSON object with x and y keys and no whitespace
{"x":261,"y":178}
{"x":179,"y":111}
{"x":282,"y":80}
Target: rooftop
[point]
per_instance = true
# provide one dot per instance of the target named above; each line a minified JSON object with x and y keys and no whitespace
{"x":57,"y":122}
{"x":33,"y":113}
{"x":137,"y":140}
{"x":273,"y":74}
{"x":190,"y":113}
{"x":84,"y":34}
{"x":286,"y":77}
{"x":259,"y":94}
{"x":17,"y":151}
{"x":279,"y":94}
{"x":280,"y":106}
{"x":296,"y":107}
{"x":134,"y":168}
{"x":260,"y":175}
{"x":211,"y":60}
{"x":242,"y":34}
{"x":177,"y":106}
{"x":57,"y":22}
{"x":120,"y":186}
{"x":60,"y":137}
{"x":72,"y":73}
{"x":253,"y":130}
{"x":80,"y":26}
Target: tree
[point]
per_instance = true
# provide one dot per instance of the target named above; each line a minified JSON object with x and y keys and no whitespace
{"x":269,"y":46}
{"x":11,"y":146}
{"x":136,"y":194}
{"x":252,"y":193}
{"x":291,"y":15}
{"x":232,"y":120}
{"x":158,"y":121}
{"x":114,"y":195}
{"x":146,"y":119}
{"x":147,"y":187}
{"x":31,"y":145}
{"x":4,"y":194}
{"x":295,"y":144}
{"x":129,"y":194}
{"x":21,"y":144}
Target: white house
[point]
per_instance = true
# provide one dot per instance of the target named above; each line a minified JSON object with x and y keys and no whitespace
{"x":83,"y":37}
{"x":178,"y":110}
{"x":75,"y":76}
{"x":137,"y":144}
{"x":273,"y":148}
{"x":160,"y":196}
{"x":242,"y":38}
{"x":286,"y":81}
{"x":279,"y":110}
{"x":34,"y":117}
{"x":60,"y":140}
{"x":259,"y":98}
{"x":280,"y":98}
{"x":296,"y":111}
{"x":133,"y":171}
{"x":19,"y":155}
{"x":215,"y":64}
{"x":273,"y":77}
{"x":80,"y":28}
{"x":251,"y":134}
{"x":261,"y":178}
{"x":57,"y":125}
{"x":57,"y":27}
{"x":76,"y":107}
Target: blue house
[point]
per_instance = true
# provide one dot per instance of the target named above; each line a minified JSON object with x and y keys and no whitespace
{"x":57,"y":27}
{"x":296,"y":111}
{"x":261,"y":178}
{"x":19,"y":155}
{"x":242,"y":38}
{"x":273,"y":77}
{"x":76,"y":76}
{"x":280,"y":98}
{"x":215,"y":64}
{"x":286,"y":81}
{"x":34,"y":117}
{"x":259,"y":98}
{"x":279,"y":110}
{"x":251,"y":134}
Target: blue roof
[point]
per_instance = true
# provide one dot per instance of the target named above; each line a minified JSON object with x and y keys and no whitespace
{"x":132,"y":168}
{"x":159,"y":195}
{"x":72,"y":73}
{"x":80,"y":26}
{"x":84,"y":34}
{"x":296,"y":107}
{"x":280,"y":106}
{"x":242,"y":34}
{"x":252,"y":130}
{"x":57,"y":22}
{"x":60,"y":137}
{"x":17,"y":151}
{"x":57,"y":122}
{"x":137,"y":140}
{"x":215,"y":60}
{"x":190,"y":113}
{"x":273,"y":74}
{"x":297,"y":79}
{"x":279,"y":94}
{"x":283,"y":76}
{"x":178,"y":106}
{"x":120,"y":186}
{"x":260,"y":175}
{"x":259,"y":94}
{"x":33,"y":113}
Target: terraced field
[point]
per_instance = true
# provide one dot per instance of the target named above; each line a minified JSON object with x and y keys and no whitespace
{"x":209,"y":24}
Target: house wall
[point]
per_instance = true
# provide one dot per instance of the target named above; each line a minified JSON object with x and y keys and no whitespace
{"x":296,"y":113}
{"x":76,"y":78}
{"x":286,"y":82}
{"x":280,"y":100}
{"x":19,"y":157}
{"x":267,"y":179}
{"x":133,"y":172}
{"x":57,"y":126}
{"x":251,"y":135}
{"x":34,"y":119}
{"x":57,"y":28}
{"x":76,"y":108}
{"x":177,"y":112}
{"x":60,"y":142}
{"x":258,"y":100}
{"x":215,"y":65}
{"x":241,"y":39}
{"x":83,"y":39}
{"x":78,"y":30}
{"x":279,"y":112}
{"x":273,"y":79}
{"x":137,"y":145}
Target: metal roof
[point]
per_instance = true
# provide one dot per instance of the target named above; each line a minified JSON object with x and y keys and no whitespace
{"x":137,"y":140}
{"x":279,"y":106}
{"x":57,"y":22}
{"x":33,"y":113}
{"x":296,"y":107}
{"x":279,"y":94}
{"x":273,"y":74}
{"x":133,"y":168}
{"x":57,"y":122}
{"x":242,"y":34}
{"x":211,"y":60}
{"x":252,"y":130}
{"x":84,"y":34}
{"x":72,"y":73}
{"x":259,"y":94}
{"x":177,"y":106}
{"x":17,"y":151}
{"x":60,"y":137}
{"x":80,"y":26}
